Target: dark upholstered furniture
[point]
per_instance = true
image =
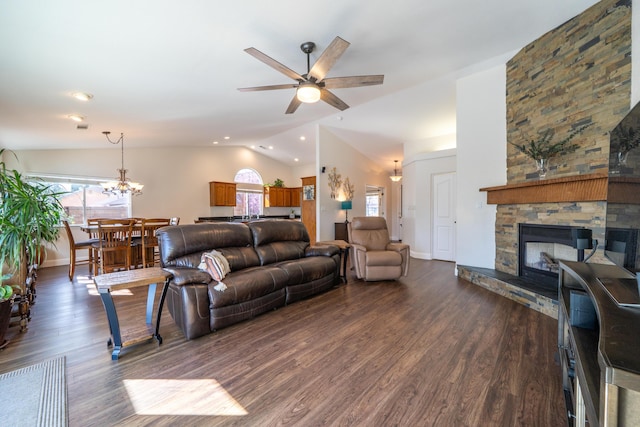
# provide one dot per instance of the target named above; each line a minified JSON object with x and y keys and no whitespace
{"x":272,"y":264}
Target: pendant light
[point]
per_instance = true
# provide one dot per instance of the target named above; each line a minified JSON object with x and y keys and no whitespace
{"x":122,"y":184}
{"x":395,"y":177}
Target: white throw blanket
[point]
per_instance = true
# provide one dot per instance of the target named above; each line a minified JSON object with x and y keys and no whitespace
{"x":217,"y":266}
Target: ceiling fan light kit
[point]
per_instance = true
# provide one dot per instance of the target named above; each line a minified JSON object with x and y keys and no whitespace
{"x":312,"y":86}
{"x":308,"y":93}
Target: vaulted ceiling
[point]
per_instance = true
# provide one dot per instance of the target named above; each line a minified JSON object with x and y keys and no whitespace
{"x":166,"y":73}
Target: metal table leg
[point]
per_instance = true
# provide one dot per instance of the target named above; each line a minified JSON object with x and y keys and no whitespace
{"x":114,"y":325}
{"x":165,"y":287}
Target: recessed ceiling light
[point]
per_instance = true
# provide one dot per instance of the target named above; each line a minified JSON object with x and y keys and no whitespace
{"x":76,"y":117}
{"x":215,"y":142}
{"x":303,"y":138}
{"x":296,"y":159}
{"x":82,"y":96}
{"x":271,"y":147}
{"x":227,"y":137}
{"x":253,"y":147}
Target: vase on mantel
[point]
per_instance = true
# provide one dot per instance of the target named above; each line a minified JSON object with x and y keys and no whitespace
{"x":620,"y":162}
{"x":543,"y":167}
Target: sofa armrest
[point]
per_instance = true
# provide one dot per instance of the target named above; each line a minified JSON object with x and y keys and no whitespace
{"x":187,"y":276}
{"x":359,"y":259}
{"x":321,"y":250}
{"x":397,"y":247}
{"x":402,"y":249}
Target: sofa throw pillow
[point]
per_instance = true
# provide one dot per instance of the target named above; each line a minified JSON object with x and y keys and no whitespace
{"x":217,"y":266}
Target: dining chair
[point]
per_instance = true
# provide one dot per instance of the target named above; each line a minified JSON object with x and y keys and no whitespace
{"x":93,"y":222}
{"x":150,"y":241}
{"x":74,"y":247}
{"x":113,"y":250}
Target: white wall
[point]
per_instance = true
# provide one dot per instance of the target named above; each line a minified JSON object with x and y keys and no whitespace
{"x":437,"y":143}
{"x":176,"y":179}
{"x":334,"y":152}
{"x":481,"y":162}
{"x":417,"y":206}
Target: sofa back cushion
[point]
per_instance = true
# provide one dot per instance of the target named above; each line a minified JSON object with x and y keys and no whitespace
{"x":183,"y":245}
{"x":370,"y":232}
{"x":279,"y":240}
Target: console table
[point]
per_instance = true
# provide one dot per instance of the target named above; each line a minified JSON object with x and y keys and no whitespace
{"x":107,"y":283}
{"x":599,"y":344}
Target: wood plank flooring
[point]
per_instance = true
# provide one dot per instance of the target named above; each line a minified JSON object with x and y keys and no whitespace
{"x":428,"y":350}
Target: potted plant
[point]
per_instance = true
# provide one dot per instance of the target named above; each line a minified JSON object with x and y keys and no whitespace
{"x":30,"y":215}
{"x":6,"y":305}
{"x":543,"y":149}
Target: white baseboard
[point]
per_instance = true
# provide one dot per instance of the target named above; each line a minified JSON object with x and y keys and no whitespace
{"x":420,"y":255}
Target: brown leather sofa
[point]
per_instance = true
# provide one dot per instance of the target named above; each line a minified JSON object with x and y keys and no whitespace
{"x":272,"y":264}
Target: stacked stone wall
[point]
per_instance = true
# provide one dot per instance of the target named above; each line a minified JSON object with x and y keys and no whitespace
{"x":579,"y":73}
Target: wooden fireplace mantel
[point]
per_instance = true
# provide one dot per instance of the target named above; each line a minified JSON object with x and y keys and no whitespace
{"x":577,"y":188}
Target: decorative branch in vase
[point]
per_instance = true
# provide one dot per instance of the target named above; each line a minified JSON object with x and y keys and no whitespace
{"x":625,"y":139}
{"x":335,"y":181}
{"x":543,"y":149}
{"x":348,"y":188}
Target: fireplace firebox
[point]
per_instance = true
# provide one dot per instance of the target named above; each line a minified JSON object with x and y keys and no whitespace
{"x":541,"y":247}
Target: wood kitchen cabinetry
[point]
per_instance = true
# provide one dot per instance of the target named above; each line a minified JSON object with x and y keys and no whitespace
{"x":279,"y":197}
{"x":222,"y":193}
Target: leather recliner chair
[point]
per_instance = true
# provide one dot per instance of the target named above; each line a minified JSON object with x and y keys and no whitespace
{"x":374,"y":256}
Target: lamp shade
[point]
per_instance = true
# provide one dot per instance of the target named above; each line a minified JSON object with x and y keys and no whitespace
{"x":308,"y":93}
{"x":346,"y":205}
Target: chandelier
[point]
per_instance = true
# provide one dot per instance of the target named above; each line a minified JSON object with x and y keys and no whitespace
{"x":395,"y":177}
{"x":122,"y":185}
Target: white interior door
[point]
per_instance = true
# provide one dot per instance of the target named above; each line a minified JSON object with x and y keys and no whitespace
{"x":444,"y":212}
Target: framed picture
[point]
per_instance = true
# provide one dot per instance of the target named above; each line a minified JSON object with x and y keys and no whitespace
{"x":308,"y":192}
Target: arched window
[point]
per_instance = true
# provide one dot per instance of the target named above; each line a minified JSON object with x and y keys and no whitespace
{"x":249,"y":193}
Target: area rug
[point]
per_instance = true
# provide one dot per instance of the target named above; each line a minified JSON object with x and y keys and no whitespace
{"x":35,"y":395}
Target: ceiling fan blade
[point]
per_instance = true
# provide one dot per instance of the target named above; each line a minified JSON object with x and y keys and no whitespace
{"x":274,"y":64}
{"x":333,"y":100}
{"x":328,"y":58}
{"x":293,"y":105}
{"x":353,"y":81}
{"x":270,"y":87}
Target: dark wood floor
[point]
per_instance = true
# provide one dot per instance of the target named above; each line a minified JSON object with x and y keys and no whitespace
{"x":429,"y":350}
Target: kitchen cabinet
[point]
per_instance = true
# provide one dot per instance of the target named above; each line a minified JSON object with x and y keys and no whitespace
{"x":278,"y":197}
{"x":222,"y":193}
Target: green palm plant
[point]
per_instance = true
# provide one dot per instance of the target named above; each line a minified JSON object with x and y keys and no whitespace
{"x":30,"y":215}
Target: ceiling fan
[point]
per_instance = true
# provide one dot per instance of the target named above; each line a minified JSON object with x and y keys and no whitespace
{"x":313,"y":86}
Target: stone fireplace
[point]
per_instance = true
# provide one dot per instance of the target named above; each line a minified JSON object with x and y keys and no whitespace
{"x":578,"y":73}
{"x":559,"y":82}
